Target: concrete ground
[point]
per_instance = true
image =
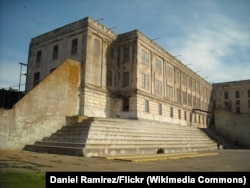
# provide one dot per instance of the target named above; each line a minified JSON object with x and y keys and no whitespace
{"x":211,"y":161}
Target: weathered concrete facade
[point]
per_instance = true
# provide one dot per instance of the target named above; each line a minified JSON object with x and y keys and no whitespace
{"x":232,"y":96}
{"x":43,"y":109}
{"x":234,"y":127}
{"x":123,"y":75}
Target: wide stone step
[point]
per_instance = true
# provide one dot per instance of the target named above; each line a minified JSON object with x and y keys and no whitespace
{"x":89,"y":152}
{"x":117,"y":134}
{"x":55,"y":150}
{"x":99,"y":137}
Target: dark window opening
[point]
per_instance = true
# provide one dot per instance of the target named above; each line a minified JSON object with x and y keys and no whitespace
{"x":39,"y":56}
{"x":36,"y":78}
{"x":171,"y":112}
{"x":125,"y":79}
{"x":125,"y":54}
{"x":74,"y":47}
{"x":146,"y":105}
{"x":160,"y":109}
{"x":109,"y":78}
{"x":225,"y":95}
{"x":55,"y":52}
{"x":126,"y":104}
{"x":237,"y":94}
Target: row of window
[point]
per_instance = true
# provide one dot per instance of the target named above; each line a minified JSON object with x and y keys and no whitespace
{"x":179,"y":77}
{"x":145,"y":83}
{"x":74,"y":49}
{"x":200,"y":118}
{"x":237,"y":94}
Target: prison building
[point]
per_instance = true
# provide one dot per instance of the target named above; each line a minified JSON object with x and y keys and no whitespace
{"x":123,"y":75}
{"x":233,"y":96}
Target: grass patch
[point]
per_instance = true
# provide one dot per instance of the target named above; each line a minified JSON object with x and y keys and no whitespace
{"x":22,"y":179}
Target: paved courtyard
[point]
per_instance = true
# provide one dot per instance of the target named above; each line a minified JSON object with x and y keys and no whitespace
{"x":212,"y":161}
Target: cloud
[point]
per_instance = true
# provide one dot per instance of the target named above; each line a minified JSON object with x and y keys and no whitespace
{"x":212,"y":44}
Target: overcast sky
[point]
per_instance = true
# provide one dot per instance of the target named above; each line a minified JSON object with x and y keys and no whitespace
{"x":211,"y":36}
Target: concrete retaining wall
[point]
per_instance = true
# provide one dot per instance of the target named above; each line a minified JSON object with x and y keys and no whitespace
{"x":43,"y":109}
{"x":234,"y":127}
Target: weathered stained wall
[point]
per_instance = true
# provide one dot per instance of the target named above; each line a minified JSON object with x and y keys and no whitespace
{"x":42,"y":110}
{"x":235,"y":127}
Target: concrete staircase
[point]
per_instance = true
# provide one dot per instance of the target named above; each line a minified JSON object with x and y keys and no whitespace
{"x":112,"y":137}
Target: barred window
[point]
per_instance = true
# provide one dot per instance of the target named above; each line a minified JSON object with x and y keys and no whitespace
{"x":171,"y":112}
{"x":160,"y":109}
{"x":158,"y":87}
{"x":145,"y":57}
{"x":55,"y":52}
{"x":38,"y":56}
{"x":125,"y":53}
{"x":177,"y":77}
{"x":146,"y":106}
{"x":170,"y":74}
{"x":109,"y":78}
{"x":74,"y":46}
{"x":158,"y":65}
{"x":125,"y":79}
{"x":96,"y":47}
{"x":225,"y":95}
{"x":170,"y":92}
{"x":144,"y":81}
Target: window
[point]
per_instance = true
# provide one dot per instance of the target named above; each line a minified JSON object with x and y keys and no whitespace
{"x":225,"y":95}
{"x":125,"y":79}
{"x":170,"y":92}
{"x":237,"y":94}
{"x":184,"y":97}
{"x":145,"y":57}
{"x":184,"y":80}
{"x":169,"y":73}
{"x":189,"y":100}
{"x":109,"y":78}
{"x":158,"y":87}
{"x":189,"y":83}
{"x":158,"y":65}
{"x":185,"y":115}
{"x":146,"y":106}
{"x":96,"y":47}
{"x":55,"y":52}
{"x":74,"y":46}
{"x":179,"y":114}
{"x":178,"y":95}
{"x":193,"y":85}
{"x":160,"y":109}
{"x":177,"y":77}
{"x":126,"y":104}
{"x":38,"y":56}
{"x":125,"y":54}
{"x":144,"y":81}
{"x":171,"y":112}
{"x":238,"y":110}
{"x":237,"y":102}
{"x":36,"y":78}
{"x":248,"y":93}
{"x":194,"y":101}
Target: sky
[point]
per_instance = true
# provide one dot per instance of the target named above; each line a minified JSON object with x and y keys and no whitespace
{"x":211,"y":37}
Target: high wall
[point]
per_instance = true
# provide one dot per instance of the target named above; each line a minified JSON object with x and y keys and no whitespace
{"x":43,"y":109}
{"x":234,"y":127}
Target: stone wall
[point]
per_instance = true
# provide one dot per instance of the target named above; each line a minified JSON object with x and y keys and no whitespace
{"x":234,"y":127}
{"x":43,"y":109}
